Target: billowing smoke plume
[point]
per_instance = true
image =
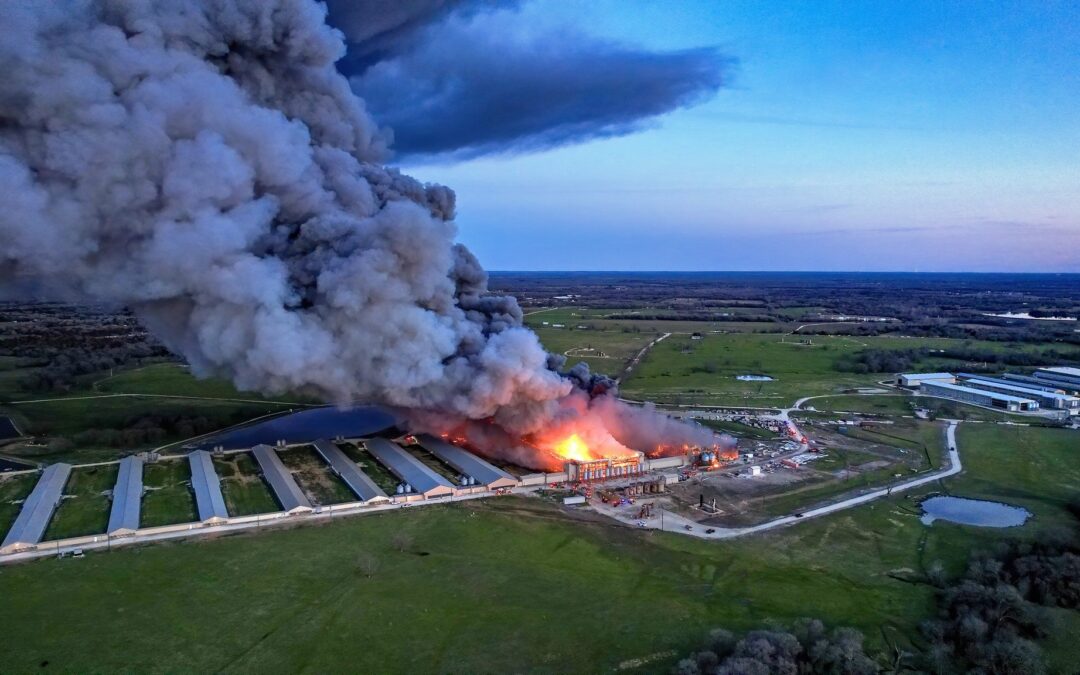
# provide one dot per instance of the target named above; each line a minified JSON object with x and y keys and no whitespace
{"x":203,"y":163}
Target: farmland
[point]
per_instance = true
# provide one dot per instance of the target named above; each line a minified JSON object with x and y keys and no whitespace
{"x":635,"y":594}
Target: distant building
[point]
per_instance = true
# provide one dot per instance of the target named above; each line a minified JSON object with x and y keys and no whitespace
{"x":915,"y":379}
{"x":1046,"y":399}
{"x":1063,"y":373}
{"x":988,"y":399}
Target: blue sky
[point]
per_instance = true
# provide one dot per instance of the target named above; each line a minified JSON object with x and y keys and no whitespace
{"x":908,"y":136}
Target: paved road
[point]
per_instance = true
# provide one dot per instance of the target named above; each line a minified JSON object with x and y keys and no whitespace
{"x":672,"y":522}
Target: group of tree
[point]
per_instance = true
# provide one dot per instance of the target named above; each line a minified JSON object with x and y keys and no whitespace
{"x":975,"y":359}
{"x":807,"y":649}
{"x":989,"y":620}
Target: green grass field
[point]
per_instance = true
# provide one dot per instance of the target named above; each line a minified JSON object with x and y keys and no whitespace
{"x":683,"y":370}
{"x":14,"y":489}
{"x":242,"y":485}
{"x":167,"y":496}
{"x":173,"y":379}
{"x":313,"y":475}
{"x":514,"y":585}
{"x":86,"y":504}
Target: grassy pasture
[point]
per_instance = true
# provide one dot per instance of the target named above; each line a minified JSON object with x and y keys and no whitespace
{"x":167,"y":497}
{"x":313,"y":475}
{"x":13,"y":489}
{"x":242,"y":485}
{"x":86,"y":504}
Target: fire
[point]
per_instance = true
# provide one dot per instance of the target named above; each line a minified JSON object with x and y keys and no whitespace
{"x":573,"y":448}
{"x":579,"y":443}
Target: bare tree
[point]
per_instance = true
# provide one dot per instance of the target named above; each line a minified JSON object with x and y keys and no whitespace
{"x":402,"y":541}
{"x":367,"y":564}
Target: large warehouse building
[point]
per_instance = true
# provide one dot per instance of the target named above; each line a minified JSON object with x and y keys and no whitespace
{"x":207,"y":486}
{"x":288,"y":493}
{"x":37,"y":510}
{"x":915,"y":379}
{"x":1063,"y":386}
{"x":414,"y":473}
{"x":1046,"y":399}
{"x":981,"y":397}
{"x":471,"y":466}
{"x":126,"y":498}
{"x":362,"y":486}
{"x":1064,"y":373}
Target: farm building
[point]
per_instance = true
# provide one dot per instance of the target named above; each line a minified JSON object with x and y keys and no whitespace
{"x":1064,"y":386}
{"x":126,"y":498}
{"x":37,"y":510}
{"x":467,"y":463}
{"x":915,"y":379}
{"x":410,"y":470}
{"x":358,"y":481}
{"x":207,"y":486}
{"x":288,"y":493}
{"x":1063,"y":373}
{"x":1046,"y":399}
{"x":981,"y":397}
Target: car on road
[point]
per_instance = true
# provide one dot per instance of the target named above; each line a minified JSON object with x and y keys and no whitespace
{"x":710,"y":530}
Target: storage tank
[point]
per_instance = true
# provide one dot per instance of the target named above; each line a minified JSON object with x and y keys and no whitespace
{"x":400,"y":489}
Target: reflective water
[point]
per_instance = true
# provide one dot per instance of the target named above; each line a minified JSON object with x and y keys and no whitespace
{"x":304,"y":426}
{"x":973,"y":512}
{"x":754,"y":378}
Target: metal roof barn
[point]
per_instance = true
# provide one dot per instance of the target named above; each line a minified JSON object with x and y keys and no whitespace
{"x":1072,"y":388}
{"x":348,"y":471}
{"x":467,"y":463}
{"x":38,"y":509}
{"x":979,"y":396}
{"x":126,"y":498}
{"x":207,"y":486}
{"x":409,"y":469}
{"x":1046,"y":398}
{"x":289,"y":495}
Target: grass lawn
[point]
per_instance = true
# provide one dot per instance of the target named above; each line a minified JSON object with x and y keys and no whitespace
{"x":86,"y":504}
{"x":173,"y":379}
{"x":739,"y":430}
{"x":167,"y":496}
{"x":313,"y":475}
{"x":513,"y":585}
{"x":242,"y":485}
{"x":14,"y":489}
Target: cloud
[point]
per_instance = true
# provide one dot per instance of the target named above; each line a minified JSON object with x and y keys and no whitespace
{"x":456,"y":80}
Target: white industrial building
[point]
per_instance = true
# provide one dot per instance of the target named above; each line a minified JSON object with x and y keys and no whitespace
{"x":207,"y":487}
{"x":126,"y":498}
{"x":37,"y":510}
{"x":358,"y":481}
{"x":288,"y":493}
{"x":981,"y":397}
{"x":1063,"y":386}
{"x":1046,"y":399}
{"x":412,"y":472}
{"x":1063,"y":373}
{"x":915,"y":379}
{"x":468,"y":464}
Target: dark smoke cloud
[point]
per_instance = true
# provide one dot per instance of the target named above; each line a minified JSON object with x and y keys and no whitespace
{"x":204,"y":163}
{"x":461,"y":79}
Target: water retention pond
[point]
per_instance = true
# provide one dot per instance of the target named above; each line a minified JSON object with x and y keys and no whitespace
{"x":973,"y":512}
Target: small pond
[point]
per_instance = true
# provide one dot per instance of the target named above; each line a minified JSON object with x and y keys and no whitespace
{"x":304,"y":426}
{"x":973,"y":512}
{"x":754,"y":378}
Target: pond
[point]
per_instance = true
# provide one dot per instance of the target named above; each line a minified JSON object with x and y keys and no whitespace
{"x":754,"y":378}
{"x":304,"y":426}
{"x":973,"y":512}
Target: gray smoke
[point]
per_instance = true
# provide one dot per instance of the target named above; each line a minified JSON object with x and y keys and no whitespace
{"x":204,"y":163}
